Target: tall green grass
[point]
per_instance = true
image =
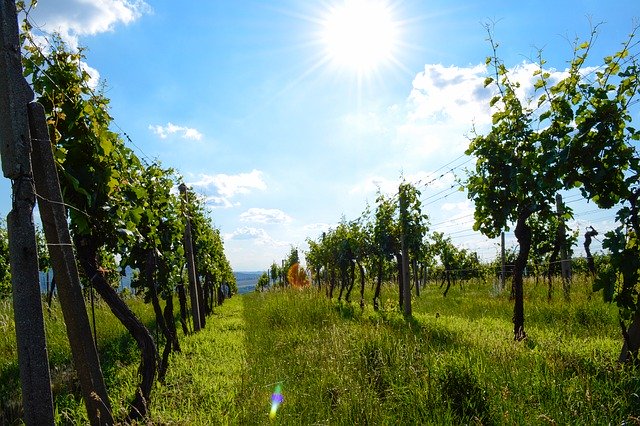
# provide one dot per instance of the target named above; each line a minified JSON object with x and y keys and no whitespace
{"x":119,"y":359}
{"x":453,"y":362}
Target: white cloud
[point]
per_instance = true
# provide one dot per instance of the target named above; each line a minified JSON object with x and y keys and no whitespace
{"x":75,"y":18}
{"x":258,"y":235}
{"x":94,"y":75}
{"x":257,"y":215}
{"x":450,"y":95}
{"x":440,"y":112}
{"x":228,"y":186}
{"x":170,"y":129}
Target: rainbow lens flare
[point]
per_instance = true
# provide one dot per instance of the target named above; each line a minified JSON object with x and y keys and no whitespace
{"x":276,"y":400}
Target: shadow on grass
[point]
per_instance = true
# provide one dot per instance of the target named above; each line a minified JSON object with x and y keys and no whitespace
{"x":10,"y":402}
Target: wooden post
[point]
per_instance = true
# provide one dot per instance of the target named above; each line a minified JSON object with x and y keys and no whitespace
{"x":54,"y":222}
{"x":565,"y":262}
{"x":202,"y":306}
{"x":191,"y":267}
{"x":406,"y":288}
{"x":416,"y":277}
{"x":15,"y":154}
{"x":503,"y":261}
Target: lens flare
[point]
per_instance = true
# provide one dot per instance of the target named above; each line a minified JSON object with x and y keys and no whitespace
{"x":276,"y":400}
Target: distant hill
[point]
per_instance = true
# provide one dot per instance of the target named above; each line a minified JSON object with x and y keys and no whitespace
{"x":247,"y":281}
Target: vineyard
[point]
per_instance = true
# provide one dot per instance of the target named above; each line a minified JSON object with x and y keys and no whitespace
{"x":117,"y":210}
{"x":389,"y":321}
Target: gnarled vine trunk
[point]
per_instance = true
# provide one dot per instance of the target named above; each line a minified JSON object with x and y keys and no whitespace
{"x":376,"y":294}
{"x":332,"y":282}
{"x":165,"y":324}
{"x":523,"y":235}
{"x":351,"y":280}
{"x":631,"y":345}
{"x":447,"y":276}
{"x":362,"y":279}
{"x":182,"y":299}
{"x":400,"y":282}
{"x":88,"y":257}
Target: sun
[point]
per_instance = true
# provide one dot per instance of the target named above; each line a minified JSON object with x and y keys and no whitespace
{"x":360,"y":35}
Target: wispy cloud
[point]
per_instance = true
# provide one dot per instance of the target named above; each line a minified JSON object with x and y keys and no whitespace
{"x":257,"y":215}
{"x":170,"y":129}
{"x":219,"y":202}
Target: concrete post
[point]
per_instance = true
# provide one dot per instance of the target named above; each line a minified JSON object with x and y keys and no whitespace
{"x":191,"y":266}
{"x":54,"y":222}
{"x":406,"y":288}
{"x":15,"y":153}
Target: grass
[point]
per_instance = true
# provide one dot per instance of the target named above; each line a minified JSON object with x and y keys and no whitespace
{"x":454,"y":362}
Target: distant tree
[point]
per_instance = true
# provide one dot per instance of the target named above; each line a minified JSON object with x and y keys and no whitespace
{"x":313,"y":258}
{"x":274,"y":273}
{"x":361,"y":235}
{"x":263,"y":282}
{"x":386,"y":239}
{"x":413,"y":227}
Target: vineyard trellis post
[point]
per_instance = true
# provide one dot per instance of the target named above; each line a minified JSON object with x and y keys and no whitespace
{"x":56,"y":229}
{"x":406,"y":288}
{"x":15,"y":154}
{"x":191,"y":267}
{"x":503,"y":262}
{"x":565,"y":262}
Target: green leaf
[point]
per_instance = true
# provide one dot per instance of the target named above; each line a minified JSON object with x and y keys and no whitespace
{"x":545,"y":115}
{"x":106,"y":145}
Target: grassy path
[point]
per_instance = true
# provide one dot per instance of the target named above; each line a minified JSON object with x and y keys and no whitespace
{"x":204,"y":380}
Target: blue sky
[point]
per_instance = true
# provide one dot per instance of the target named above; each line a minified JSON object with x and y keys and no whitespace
{"x":282,"y":135}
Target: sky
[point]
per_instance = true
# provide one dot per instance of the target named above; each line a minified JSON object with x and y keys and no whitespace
{"x":290,"y":115}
